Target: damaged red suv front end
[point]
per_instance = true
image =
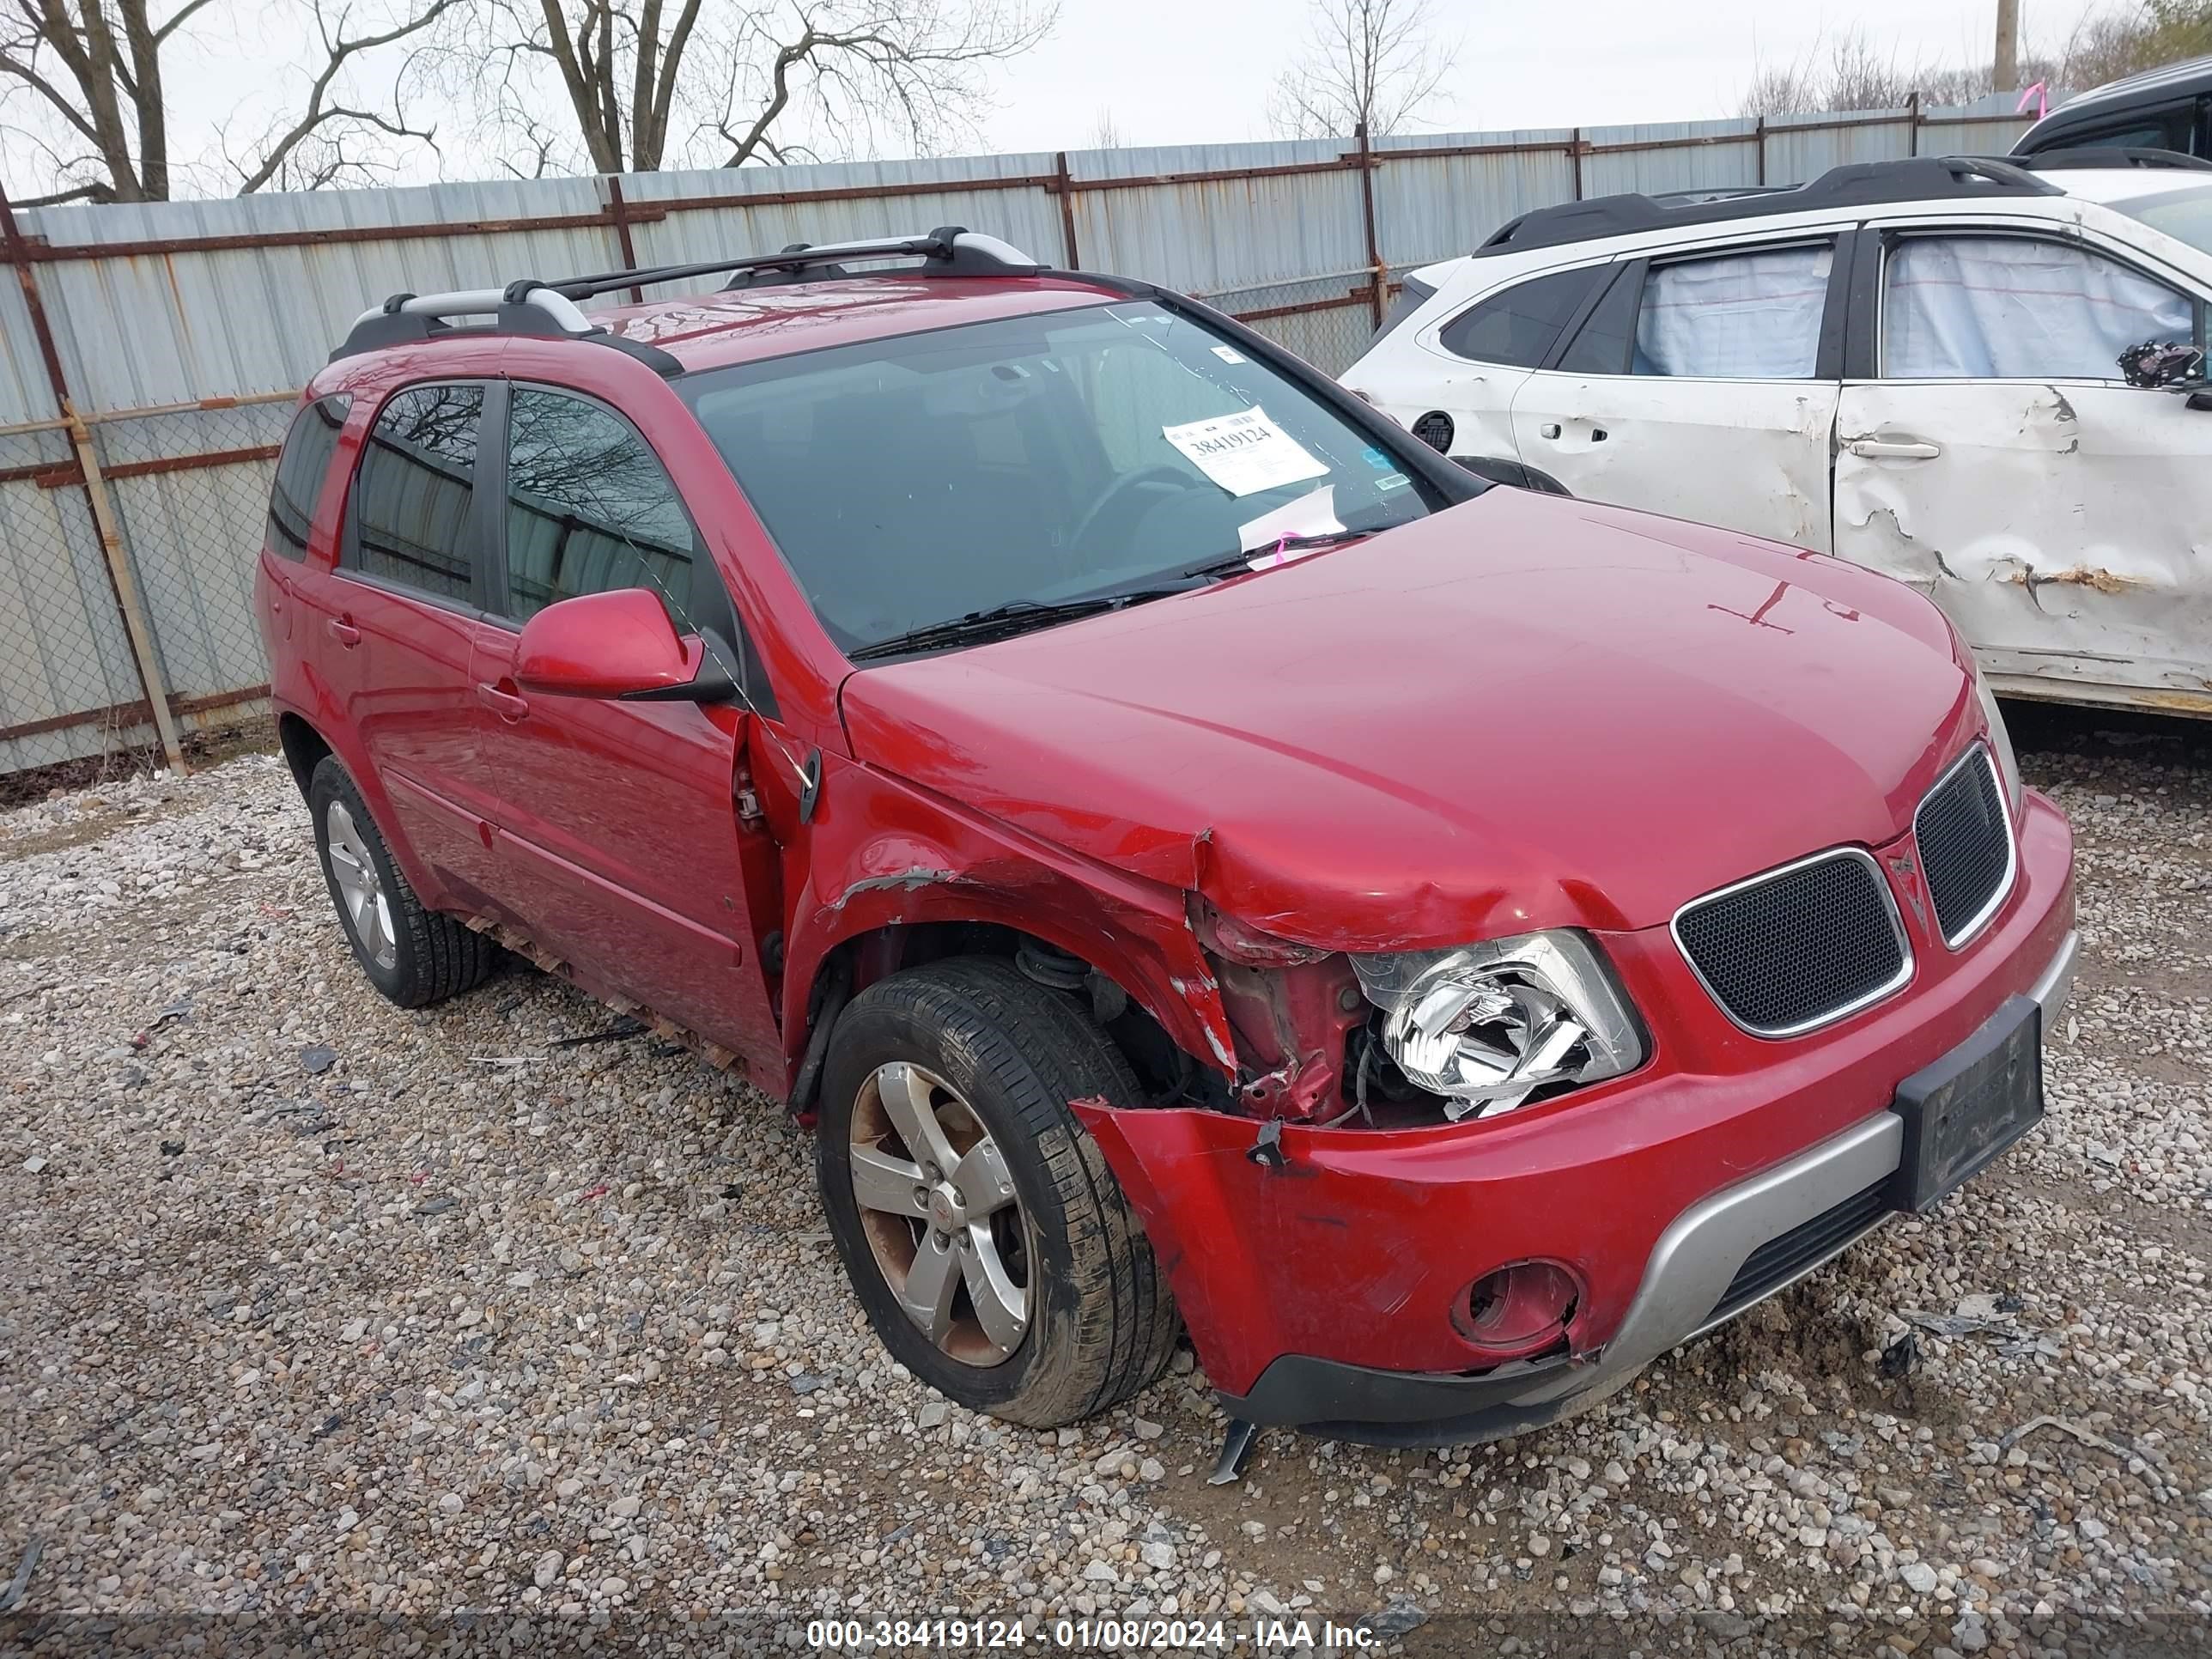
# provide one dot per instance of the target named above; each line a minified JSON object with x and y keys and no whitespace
{"x":1715,"y":842}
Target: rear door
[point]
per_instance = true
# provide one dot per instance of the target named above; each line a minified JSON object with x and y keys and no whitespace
{"x":1701,"y":386}
{"x":1991,"y":453}
{"x":624,"y":841}
{"x":395,"y":622}
{"x":1453,"y":385}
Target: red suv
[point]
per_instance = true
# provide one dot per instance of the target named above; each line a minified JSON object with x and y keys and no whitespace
{"x":1192,"y":852}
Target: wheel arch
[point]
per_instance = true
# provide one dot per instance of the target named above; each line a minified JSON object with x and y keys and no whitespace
{"x":305,"y":740}
{"x":852,"y":928}
{"x":303,"y":747}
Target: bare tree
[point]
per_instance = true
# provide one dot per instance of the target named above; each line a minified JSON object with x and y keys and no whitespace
{"x":322,"y":146}
{"x":651,"y":83}
{"x":1847,"y":72}
{"x":1105,"y":133}
{"x":1375,"y":64}
{"x":2122,"y":40}
{"x":93,"y":71}
{"x":96,"y":71}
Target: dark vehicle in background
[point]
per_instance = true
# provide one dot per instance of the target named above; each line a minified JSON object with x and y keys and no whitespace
{"x":2168,"y":108}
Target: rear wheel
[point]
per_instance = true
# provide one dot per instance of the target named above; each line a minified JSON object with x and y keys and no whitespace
{"x":414,"y":956}
{"x":988,"y":1243}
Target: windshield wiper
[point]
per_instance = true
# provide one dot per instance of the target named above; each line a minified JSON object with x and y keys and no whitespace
{"x":1001,"y":621}
{"x":1235,"y":564}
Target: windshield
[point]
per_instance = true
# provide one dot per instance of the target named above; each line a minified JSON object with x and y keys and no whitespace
{"x":2184,"y":215}
{"x":1031,"y":460}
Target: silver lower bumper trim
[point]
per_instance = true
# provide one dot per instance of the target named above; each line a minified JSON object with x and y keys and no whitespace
{"x":2055,"y":984}
{"x":1700,"y":1254}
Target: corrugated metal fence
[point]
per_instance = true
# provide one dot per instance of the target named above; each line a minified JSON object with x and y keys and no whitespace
{"x":150,"y":354}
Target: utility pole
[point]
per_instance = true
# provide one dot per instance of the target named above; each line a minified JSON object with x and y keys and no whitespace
{"x":2006,"y":63}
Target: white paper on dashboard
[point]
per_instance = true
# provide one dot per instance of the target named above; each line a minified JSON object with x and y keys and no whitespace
{"x":1244,"y":453}
{"x":1313,"y":514}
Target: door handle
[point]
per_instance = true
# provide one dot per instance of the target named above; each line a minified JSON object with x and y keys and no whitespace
{"x":343,"y":632}
{"x":1549,"y":429}
{"x":505,"y":704}
{"x":1885,"y":449}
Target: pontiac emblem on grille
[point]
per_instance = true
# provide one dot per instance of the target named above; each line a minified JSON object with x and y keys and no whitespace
{"x":1907,"y":873}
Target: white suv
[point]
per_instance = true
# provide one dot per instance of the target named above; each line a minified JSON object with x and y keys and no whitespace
{"x":1916,"y":366}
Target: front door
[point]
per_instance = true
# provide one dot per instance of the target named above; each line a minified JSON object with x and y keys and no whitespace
{"x":1997,"y":460}
{"x":1696,"y":388}
{"x":394,"y":625}
{"x":619,"y":833}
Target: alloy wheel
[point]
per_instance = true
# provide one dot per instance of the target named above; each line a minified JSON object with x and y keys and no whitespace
{"x":360,"y":889}
{"x":941,"y":1215}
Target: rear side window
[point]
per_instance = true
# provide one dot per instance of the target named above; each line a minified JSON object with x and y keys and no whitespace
{"x":412,"y":499}
{"x":1518,"y":327}
{"x":589,"y":508}
{"x":301,"y":467}
{"x":1740,"y":316}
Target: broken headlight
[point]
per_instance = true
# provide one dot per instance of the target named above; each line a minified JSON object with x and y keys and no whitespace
{"x":1487,"y":1026}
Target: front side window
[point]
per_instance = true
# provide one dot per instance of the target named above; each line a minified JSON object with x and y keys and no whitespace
{"x":589,"y":508}
{"x":412,"y":498}
{"x":2018,"y":307}
{"x":1030,"y":460}
{"x":301,"y":467}
{"x":1740,"y":316}
{"x":1518,"y":327}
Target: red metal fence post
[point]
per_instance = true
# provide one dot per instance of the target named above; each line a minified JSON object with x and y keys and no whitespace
{"x":1377,"y":277}
{"x":1065,"y":184}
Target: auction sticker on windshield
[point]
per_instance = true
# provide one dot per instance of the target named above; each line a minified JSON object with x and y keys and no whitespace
{"x":1244,"y":453}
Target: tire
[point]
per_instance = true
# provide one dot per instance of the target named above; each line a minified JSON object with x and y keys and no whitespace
{"x":1005,"y":1056}
{"x":414,"y":956}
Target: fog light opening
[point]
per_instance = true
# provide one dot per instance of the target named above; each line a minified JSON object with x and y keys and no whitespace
{"x":1514,"y":1311}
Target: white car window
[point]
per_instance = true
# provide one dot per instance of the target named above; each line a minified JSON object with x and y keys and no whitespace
{"x":2018,"y":307}
{"x":2185,"y":214}
{"x":1741,"y":317}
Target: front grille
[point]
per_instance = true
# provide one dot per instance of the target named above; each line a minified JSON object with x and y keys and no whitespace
{"x":1803,"y":1248}
{"x":1964,"y":836}
{"x":1798,"y":947}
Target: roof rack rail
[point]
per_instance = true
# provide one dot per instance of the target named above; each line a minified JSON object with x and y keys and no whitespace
{"x":2076,"y":157}
{"x":529,"y":307}
{"x":1856,"y":184}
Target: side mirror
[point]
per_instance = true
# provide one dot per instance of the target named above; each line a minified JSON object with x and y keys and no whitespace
{"x":615,"y":644}
{"x":2163,"y":366}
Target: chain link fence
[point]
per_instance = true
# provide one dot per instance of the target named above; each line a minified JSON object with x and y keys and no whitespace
{"x":125,"y":617}
{"x":70,"y":687}
{"x":1327,"y":321}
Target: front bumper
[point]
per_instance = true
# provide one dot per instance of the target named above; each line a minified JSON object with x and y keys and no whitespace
{"x":1320,"y":1277}
{"x":1717,"y":1259}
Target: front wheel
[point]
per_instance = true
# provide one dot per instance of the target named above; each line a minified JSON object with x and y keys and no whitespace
{"x":988,"y":1243}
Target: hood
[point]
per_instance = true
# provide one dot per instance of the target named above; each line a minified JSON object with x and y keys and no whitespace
{"x":1524,"y":712}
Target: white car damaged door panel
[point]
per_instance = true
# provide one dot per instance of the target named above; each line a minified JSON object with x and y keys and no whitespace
{"x":1748,"y":455}
{"x":2066,"y":529}
{"x":2063,"y":520}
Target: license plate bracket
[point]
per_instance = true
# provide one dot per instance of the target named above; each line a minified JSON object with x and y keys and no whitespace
{"x":1962,"y":1111}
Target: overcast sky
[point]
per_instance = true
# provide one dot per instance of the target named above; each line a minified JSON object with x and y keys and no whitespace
{"x":1186,"y":71}
{"x":1176,"y":71}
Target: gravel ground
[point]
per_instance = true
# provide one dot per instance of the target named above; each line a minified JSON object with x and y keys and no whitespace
{"x":312,"y":1307}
